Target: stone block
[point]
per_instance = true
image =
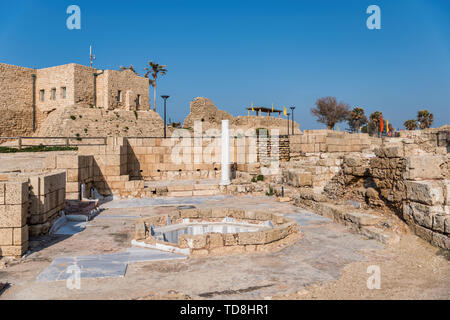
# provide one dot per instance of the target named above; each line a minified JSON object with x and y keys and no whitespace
{"x":439,"y":222}
{"x":426,"y":192}
{"x":15,"y":251}
{"x":20,"y":235}
{"x":2,"y":193}
{"x":230,"y":239}
{"x":16,"y":192}
{"x":219,"y":212}
{"x":72,"y":187}
{"x":246,"y":238}
{"x":236,"y":213}
{"x":362,"y":219}
{"x":215,"y":240}
{"x":423,"y":214}
{"x":67,"y":162}
{"x":6,"y":236}
{"x":13,"y":216}
{"x":189,"y":213}
{"x":425,"y":167}
{"x":204,"y":213}
{"x":441,"y":240}
{"x":197,"y":241}
{"x":446,"y":184}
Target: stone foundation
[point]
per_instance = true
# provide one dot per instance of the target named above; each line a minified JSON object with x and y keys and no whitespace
{"x":283,"y":232}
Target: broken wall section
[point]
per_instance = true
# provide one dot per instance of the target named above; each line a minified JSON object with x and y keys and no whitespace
{"x":408,"y":176}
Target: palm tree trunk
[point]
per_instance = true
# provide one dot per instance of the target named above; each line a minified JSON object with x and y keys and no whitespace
{"x":154,"y":98}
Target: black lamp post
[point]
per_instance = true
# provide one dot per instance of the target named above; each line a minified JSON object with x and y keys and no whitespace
{"x":165,"y":99}
{"x":288,"y":114}
{"x":292,"y":108}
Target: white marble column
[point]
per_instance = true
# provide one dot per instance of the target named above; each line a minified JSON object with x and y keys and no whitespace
{"x":225,"y":153}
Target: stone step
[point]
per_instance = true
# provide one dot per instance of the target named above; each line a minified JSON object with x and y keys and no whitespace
{"x":191,"y":187}
{"x":212,"y":192}
{"x":180,"y":194}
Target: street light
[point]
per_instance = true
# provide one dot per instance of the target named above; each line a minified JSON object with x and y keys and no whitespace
{"x":288,"y":114}
{"x":292,"y":108}
{"x":165,"y":99}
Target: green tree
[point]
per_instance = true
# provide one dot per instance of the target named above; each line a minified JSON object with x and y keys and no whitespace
{"x":411,"y":124}
{"x":329,"y":112}
{"x":374,"y":122}
{"x":356,"y":119}
{"x":154,"y":70}
{"x":425,"y":119}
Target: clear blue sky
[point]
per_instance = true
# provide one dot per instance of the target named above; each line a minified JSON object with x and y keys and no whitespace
{"x":235,"y":52}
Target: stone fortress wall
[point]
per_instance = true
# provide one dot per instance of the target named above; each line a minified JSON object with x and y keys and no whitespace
{"x":59,"y":87}
{"x":16,"y":100}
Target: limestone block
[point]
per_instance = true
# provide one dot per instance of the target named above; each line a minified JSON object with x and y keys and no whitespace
{"x":446,"y":184}
{"x":16,"y":192}
{"x":20,"y":235}
{"x":423,"y":214}
{"x":67,"y":161}
{"x":2,"y":193}
{"x":441,"y":240}
{"x":219,"y":212}
{"x":231,"y":239}
{"x":13,"y":216}
{"x":16,"y":251}
{"x":246,"y":238}
{"x":72,"y":187}
{"x":426,"y":192}
{"x":299,"y":179}
{"x":439,"y":222}
{"x":6,"y":236}
{"x":362,"y":219}
{"x":197,"y":241}
{"x":215,"y":240}
{"x":189,"y":213}
{"x":425,"y":167}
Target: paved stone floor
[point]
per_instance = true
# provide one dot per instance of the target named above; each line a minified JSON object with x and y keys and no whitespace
{"x":115,"y":271}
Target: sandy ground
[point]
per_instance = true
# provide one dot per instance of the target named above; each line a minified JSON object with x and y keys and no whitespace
{"x":328,"y":262}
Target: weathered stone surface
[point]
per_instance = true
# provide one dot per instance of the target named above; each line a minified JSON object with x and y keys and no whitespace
{"x":297,"y":178}
{"x":425,"y":167}
{"x":246,"y":238}
{"x":215,"y":240}
{"x":16,"y":193}
{"x":363,"y":219}
{"x":423,"y":214}
{"x":426,"y":192}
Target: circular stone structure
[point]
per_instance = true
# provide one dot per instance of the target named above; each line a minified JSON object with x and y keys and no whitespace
{"x":193,"y":231}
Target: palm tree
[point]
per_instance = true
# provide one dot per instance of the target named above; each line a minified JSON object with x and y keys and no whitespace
{"x":410,"y":124}
{"x":374,"y":122}
{"x":356,"y":119}
{"x":154,"y":70}
{"x":425,"y":119}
